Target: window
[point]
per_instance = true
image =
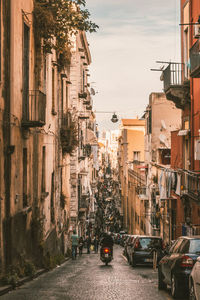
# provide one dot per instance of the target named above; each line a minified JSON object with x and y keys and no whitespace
{"x":43,"y":169}
{"x":149,"y":125}
{"x":136,"y":155}
{"x":53,"y":91}
{"x":176,"y":246}
{"x":165,"y":156}
{"x":25,"y":177}
{"x":44,"y":74}
{"x":25,"y":74}
{"x":83,"y":81}
{"x":184,"y":248}
{"x":195,"y":246}
{"x":67,"y":96}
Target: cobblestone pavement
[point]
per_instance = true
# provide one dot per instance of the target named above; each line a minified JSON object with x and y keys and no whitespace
{"x":88,"y":279}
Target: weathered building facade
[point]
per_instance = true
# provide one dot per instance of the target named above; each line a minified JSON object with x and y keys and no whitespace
{"x":41,"y":137}
{"x":181,"y":85}
{"x":162,"y":117}
{"x":131,"y":152}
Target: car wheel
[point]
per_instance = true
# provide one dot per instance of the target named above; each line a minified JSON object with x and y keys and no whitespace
{"x":191,"y":292}
{"x":175,"y":291}
{"x":161,"y":284}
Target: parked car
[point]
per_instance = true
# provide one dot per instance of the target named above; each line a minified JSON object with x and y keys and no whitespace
{"x":175,"y":267}
{"x":194,"y":281}
{"x":143,"y":249}
{"x":123,"y":239}
{"x":129,"y":245}
{"x":125,"y":244}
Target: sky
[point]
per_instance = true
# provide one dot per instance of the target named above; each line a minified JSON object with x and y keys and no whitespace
{"x":132,"y":36}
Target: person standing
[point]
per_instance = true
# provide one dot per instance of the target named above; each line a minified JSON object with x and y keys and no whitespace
{"x":80,"y":245}
{"x":96,"y":244}
{"x":88,"y":243}
{"x":74,"y":240}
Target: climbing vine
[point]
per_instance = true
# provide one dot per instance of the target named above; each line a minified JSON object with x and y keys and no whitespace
{"x":56,"y":20}
{"x":68,"y":136}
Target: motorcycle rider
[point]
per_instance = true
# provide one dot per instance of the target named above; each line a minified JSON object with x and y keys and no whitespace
{"x":107,"y":241}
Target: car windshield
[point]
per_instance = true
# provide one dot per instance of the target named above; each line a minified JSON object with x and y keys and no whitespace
{"x":194,"y":246}
{"x":147,"y":243}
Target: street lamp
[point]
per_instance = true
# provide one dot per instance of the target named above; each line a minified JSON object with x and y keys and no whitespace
{"x":114,"y":118}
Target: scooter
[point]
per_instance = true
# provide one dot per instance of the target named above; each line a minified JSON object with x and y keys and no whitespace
{"x":106,"y":255}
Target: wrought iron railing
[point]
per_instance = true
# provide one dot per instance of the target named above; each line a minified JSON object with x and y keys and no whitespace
{"x":173,"y":75}
{"x":195,"y":60}
{"x":191,"y":183}
{"x":83,"y":202}
{"x":34,"y":109}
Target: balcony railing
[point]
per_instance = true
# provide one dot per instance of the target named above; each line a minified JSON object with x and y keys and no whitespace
{"x":191,"y":184}
{"x":83,"y":202}
{"x":195,"y":60}
{"x":34,"y":109}
{"x":176,"y":84}
{"x":173,"y":75}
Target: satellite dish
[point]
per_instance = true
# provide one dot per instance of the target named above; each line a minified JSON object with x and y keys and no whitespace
{"x":163,"y":125}
{"x":163,"y":139}
{"x":92,"y":91}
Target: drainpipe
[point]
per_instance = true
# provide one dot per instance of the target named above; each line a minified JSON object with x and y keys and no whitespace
{"x":7,"y":130}
{"x":192,"y":97}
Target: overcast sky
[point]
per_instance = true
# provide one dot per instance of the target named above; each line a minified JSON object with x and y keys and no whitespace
{"x":133,"y":35}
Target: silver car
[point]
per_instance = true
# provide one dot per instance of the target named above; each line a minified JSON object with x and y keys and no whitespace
{"x":194,"y":281}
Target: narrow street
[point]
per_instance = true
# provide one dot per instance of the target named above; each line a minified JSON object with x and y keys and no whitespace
{"x":87,"y":278}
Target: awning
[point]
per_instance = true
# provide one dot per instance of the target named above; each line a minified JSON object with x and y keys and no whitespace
{"x":183,"y":132}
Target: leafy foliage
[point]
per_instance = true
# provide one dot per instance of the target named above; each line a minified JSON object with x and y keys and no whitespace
{"x":68,"y":135}
{"x":56,"y":20}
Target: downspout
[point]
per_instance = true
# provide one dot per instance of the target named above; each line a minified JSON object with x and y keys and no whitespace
{"x":6,"y":10}
{"x":192,"y":97}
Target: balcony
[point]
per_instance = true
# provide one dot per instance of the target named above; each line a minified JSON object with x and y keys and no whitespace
{"x":34,"y":109}
{"x":191,"y":184}
{"x":83,"y":203}
{"x":195,"y":60}
{"x":176,"y":86}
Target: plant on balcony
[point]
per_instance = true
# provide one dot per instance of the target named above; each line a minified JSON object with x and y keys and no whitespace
{"x":69,"y":138}
{"x":55,"y":21}
{"x":82,"y":95}
{"x":63,"y":201}
{"x":88,"y":149}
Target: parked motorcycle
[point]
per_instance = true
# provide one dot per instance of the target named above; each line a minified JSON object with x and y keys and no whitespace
{"x":106,"y":255}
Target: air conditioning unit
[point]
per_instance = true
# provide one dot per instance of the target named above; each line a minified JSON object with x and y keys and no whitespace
{"x":197,"y":31}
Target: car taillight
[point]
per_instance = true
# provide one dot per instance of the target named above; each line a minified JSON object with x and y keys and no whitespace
{"x":106,"y":250}
{"x":186,"y":262}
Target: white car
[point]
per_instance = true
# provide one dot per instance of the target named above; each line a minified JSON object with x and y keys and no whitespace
{"x":194,"y":281}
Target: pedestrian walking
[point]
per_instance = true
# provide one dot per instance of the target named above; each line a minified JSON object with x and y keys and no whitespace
{"x":80,"y":245}
{"x":96,"y":244}
{"x":88,"y":243}
{"x":74,"y":240}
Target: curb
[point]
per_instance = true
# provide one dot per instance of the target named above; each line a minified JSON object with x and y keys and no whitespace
{"x":7,"y":288}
